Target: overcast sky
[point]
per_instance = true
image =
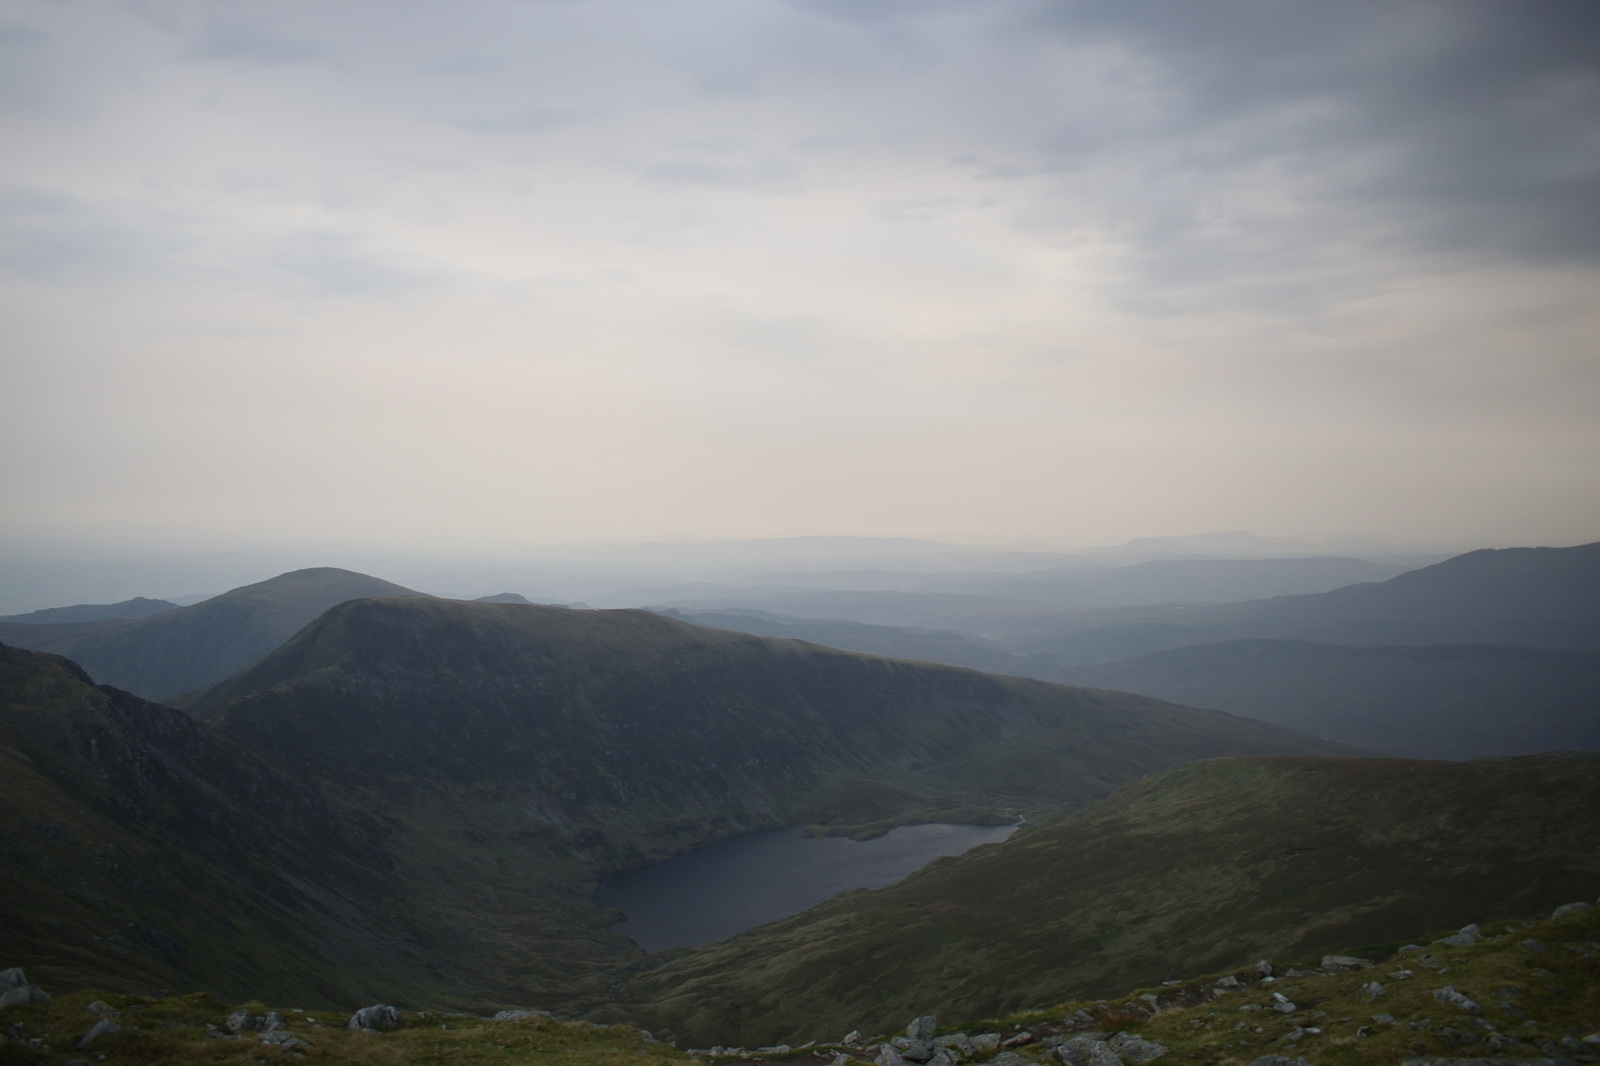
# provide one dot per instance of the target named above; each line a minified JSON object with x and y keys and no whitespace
{"x":518,"y":272}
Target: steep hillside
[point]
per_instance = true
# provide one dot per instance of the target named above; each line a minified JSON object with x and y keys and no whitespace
{"x":141,"y":850}
{"x":627,"y":722}
{"x":138,"y":607}
{"x":1202,"y":867}
{"x":1451,"y":702}
{"x":180,"y":650}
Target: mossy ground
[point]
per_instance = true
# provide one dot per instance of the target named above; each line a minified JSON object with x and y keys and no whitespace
{"x":1529,"y":996}
{"x":1533,"y":997}
{"x":161,"y":1031}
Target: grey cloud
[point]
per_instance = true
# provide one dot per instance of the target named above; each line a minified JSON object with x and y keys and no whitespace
{"x":1476,"y":126}
{"x":528,"y":120}
{"x":54,"y":239}
{"x":251,"y":43}
{"x":752,"y":172}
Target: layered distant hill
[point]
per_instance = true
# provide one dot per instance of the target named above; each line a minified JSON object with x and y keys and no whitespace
{"x":1213,"y":865}
{"x":179,"y":650}
{"x":138,"y":607}
{"x":1384,"y":665}
{"x":1436,"y":701}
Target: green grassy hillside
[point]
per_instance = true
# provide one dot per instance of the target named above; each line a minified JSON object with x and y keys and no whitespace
{"x":170,"y":653}
{"x":1452,"y":702}
{"x":1206,"y":866}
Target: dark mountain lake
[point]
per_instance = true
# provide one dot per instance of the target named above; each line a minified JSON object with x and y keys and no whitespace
{"x":748,"y":880}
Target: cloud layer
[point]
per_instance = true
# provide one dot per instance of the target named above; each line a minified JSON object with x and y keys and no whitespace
{"x":529,"y":271}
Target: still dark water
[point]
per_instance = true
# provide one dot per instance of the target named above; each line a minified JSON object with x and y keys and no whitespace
{"x":754,"y":878}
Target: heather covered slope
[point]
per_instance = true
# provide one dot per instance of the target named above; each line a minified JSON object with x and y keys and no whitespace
{"x":179,"y":650}
{"x":655,"y":733}
{"x":1205,"y":866}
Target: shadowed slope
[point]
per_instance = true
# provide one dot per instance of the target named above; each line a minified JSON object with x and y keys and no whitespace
{"x":626,"y":718}
{"x":179,"y":650}
{"x":1204,"y":866}
{"x":138,"y":607}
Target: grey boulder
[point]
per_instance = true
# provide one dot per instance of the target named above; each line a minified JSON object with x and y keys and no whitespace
{"x":1451,"y":996}
{"x":922,"y":1028}
{"x":518,"y":1015}
{"x":376,"y":1017}
{"x":1468,"y":936}
{"x":1135,"y":1050}
{"x":1087,"y":1051}
{"x":101,"y":1028}
{"x":1571,"y":908}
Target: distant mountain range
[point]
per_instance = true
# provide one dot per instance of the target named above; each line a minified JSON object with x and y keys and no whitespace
{"x":179,"y":650}
{"x":1405,"y":666}
{"x":138,"y":607}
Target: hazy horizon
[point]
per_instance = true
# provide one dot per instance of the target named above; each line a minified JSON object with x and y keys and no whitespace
{"x":508,"y":277}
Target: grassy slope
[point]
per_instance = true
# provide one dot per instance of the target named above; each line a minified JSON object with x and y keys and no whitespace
{"x":1213,"y":864}
{"x":176,"y":651}
{"x":1536,"y":998}
{"x":1453,"y":702}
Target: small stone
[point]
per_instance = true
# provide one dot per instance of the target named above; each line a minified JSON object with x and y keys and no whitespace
{"x":984,"y":1043}
{"x":1283,"y":1004}
{"x":1571,"y":908}
{"x":101,"y":1028}
{"x":1018,"y":1039}
{"x":1402,"y":975}
{"x":914,"y":1050}
{"x":840,"y":1059}
{"x":1372,"y":990}
{"x":284,"y":1039}
{"x":922,"y":1028}
{"x":518,"y":1015}
{"x":1408,"y":948}
{"x":944,"y":1057}
{"x":1135,"y":1050}
{"x":1449,"y":995}
{"x":1383,"y":1019}
{"x":1079,"y":1017}
{"x":1279,"y":1060}
{"x":100,"y":1006}
{"x":775,"y":1049}
{"x":852,"y":1037}
{"x":376,"y":1018}
{"x":1228,"y":982}
{"x":889,"y":1055}
{"x":240,"y":1021}
{"x":12,"y":978}
{"x":1264,"y":968}
{"x":1533,"y":945}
